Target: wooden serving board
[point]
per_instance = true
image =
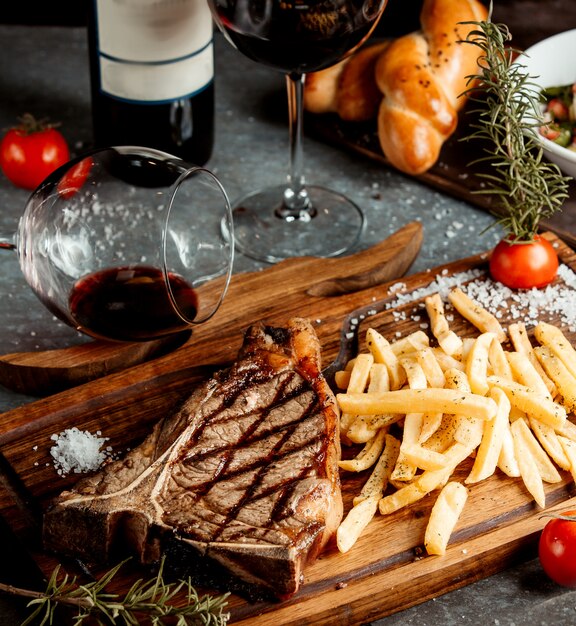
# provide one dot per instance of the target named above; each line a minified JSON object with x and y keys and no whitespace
{"x":386,"y":570}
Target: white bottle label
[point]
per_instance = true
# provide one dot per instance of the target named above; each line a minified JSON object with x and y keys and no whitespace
{"x":154,"y":50}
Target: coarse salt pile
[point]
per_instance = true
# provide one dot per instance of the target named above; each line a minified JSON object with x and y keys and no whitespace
{"x":78,"y":451}
{"x":527,"y":306}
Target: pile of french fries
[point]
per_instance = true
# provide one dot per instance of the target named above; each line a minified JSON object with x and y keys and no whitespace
{"x":421,"y":407}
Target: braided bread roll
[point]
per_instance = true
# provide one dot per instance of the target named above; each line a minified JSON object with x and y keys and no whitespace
{"x":422,"y":76}
{"x":348,"y":88}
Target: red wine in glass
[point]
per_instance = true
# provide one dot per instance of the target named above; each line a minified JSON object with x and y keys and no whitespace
{"x":296,"y":38}
{"x":131,"y":303}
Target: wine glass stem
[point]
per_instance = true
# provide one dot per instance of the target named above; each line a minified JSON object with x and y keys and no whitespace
{"x":296,"y":205}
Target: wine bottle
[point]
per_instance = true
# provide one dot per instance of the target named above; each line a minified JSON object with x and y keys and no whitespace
{"x":152,"y":75}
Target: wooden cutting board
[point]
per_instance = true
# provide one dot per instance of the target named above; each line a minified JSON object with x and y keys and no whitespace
{"x":386,"y":571}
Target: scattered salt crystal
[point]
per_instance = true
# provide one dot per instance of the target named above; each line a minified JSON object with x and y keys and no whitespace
{"x":528,"y":305}
{"x":397,"y":287}
{"x":78,"y":451}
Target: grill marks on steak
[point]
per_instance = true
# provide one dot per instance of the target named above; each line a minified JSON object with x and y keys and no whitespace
{"x":245,"y":470}
{"x":245,"y":473}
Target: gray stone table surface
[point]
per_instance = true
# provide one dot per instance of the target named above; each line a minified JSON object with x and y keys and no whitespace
{"x":44,"y":70}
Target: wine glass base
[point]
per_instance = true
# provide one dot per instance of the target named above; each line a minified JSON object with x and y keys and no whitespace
{"x":331,"y":228}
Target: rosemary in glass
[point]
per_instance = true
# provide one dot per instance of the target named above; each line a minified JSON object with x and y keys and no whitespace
{"x":507,"y":116}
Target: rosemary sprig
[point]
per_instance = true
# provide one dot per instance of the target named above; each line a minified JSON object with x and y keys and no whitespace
{"x":148,"y":601}
{"x":527,"y":187}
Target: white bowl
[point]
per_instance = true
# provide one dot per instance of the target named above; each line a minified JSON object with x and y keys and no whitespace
{"x":549,"y":63}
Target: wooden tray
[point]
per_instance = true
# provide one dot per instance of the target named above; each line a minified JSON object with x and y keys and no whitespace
{"x":386,"y":570}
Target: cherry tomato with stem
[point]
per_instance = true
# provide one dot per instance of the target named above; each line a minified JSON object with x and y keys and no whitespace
{"x":32,"y":151}
{"x":557,"y":549}
{"x":524,"y":265}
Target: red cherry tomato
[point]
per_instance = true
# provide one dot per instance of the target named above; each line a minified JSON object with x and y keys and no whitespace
{"x":75,"y":177}
{"x":557,"y":549}
{"x":524,"y":265}
{"x":32,"y":151}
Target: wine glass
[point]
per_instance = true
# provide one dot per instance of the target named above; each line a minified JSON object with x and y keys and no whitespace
{"x":296,"y":38}
{"x":125,"y":244}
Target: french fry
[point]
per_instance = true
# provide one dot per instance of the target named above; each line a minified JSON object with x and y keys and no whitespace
{"x":445,"y":435}
{"x":444,"y":517}
{"x":411,"y":343}
{"x":467,"y":343}
{"x":448,"y":340}
{"x":431,"y":422}
{"x":457,"y":452}
{"x":549,"y":440}
{"x":423,"y":458}
{"x":432,"y":370}
{"x":522,"y":344}
{"x":355,"y":522}
{"x":415,"y":375}
{"x":414,"y":491}
{"x":551,"y":336}
{"x":569,"y":447}
{"x":560,"y":374}
{"x":531,"y":402}
{"x":421,"y":400}
{"x":507,"y":460}
{"x":568,"y":430}
{"x":497,"y":359}
{"x":491,"y":444}
{"x":367,"y":456}
{"x":457,"y":379}
{"x":519,"y":338}
{"x":378,"y":480}
{"x":383,"y":353}
{"x":477,"y":363}
{"x":524,"y":372}
{"x":359,"y":377}
{"x":379,"y":378}
{"x":405,"y":469}
{"x":546,"y":468}
{"x":528,"y":468}
{"x":468,"y":429}
{"x":360,"y":374}
{"x":342,"y":379}
{"x":446,"y":361}
{"x":365,"y":427}
{"x":479,"y":317}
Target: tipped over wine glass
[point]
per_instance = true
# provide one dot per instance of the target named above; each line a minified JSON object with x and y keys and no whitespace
{"x":296,"y":38}
{"x":125,"y":244}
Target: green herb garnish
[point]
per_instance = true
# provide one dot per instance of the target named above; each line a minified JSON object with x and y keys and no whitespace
{"x":147,"y":602}
{"x":527,"y":188}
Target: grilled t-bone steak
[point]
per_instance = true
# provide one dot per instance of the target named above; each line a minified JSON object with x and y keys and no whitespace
{"x":245,"y":472}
